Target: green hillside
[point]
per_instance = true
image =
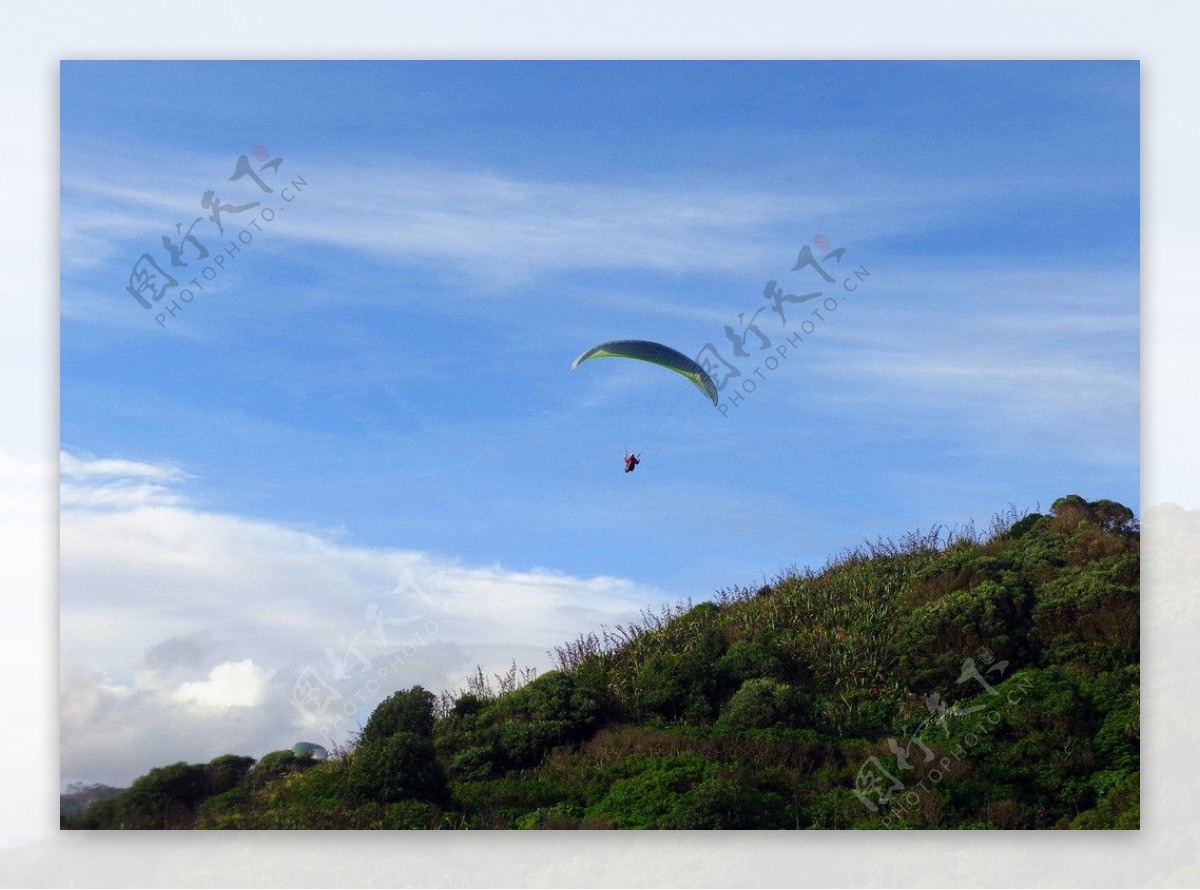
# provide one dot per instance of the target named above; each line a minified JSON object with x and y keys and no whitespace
{"x":941,"y":681}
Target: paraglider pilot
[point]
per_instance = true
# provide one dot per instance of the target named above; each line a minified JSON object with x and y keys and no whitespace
{"x":631,"y":461}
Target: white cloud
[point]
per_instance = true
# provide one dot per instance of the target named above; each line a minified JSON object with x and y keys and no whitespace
{"x":72,"y":467}
{"x":231,"y":684}
{"x":186,"y":634}
{"x":496,"y":228}
{"x":116,"y":484}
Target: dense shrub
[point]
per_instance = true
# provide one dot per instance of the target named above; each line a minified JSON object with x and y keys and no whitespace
{"x":762,"y":703}
{"x":167,"y":797}
{"x":275,"y":765}
{"x":404,"y":765}
{"x":409,"y":711}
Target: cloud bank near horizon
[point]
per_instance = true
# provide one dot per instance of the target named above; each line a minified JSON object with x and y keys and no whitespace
{"x":186,"y":634}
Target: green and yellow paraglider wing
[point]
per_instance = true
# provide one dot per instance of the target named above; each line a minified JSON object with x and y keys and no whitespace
{"x":656,"y":354}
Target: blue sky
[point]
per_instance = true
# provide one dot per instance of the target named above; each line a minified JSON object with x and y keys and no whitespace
{"x":371,"y":403}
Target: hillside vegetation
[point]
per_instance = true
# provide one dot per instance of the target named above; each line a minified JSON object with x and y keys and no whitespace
{"x":941,"y":681}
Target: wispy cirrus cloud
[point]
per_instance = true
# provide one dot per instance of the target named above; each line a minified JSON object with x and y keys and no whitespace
{"x":975,"y":359}
{"x":115,"y":483}
{"x":499,"y":229}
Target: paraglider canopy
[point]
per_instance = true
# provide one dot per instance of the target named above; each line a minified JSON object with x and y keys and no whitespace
{"x":657,"y":354}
